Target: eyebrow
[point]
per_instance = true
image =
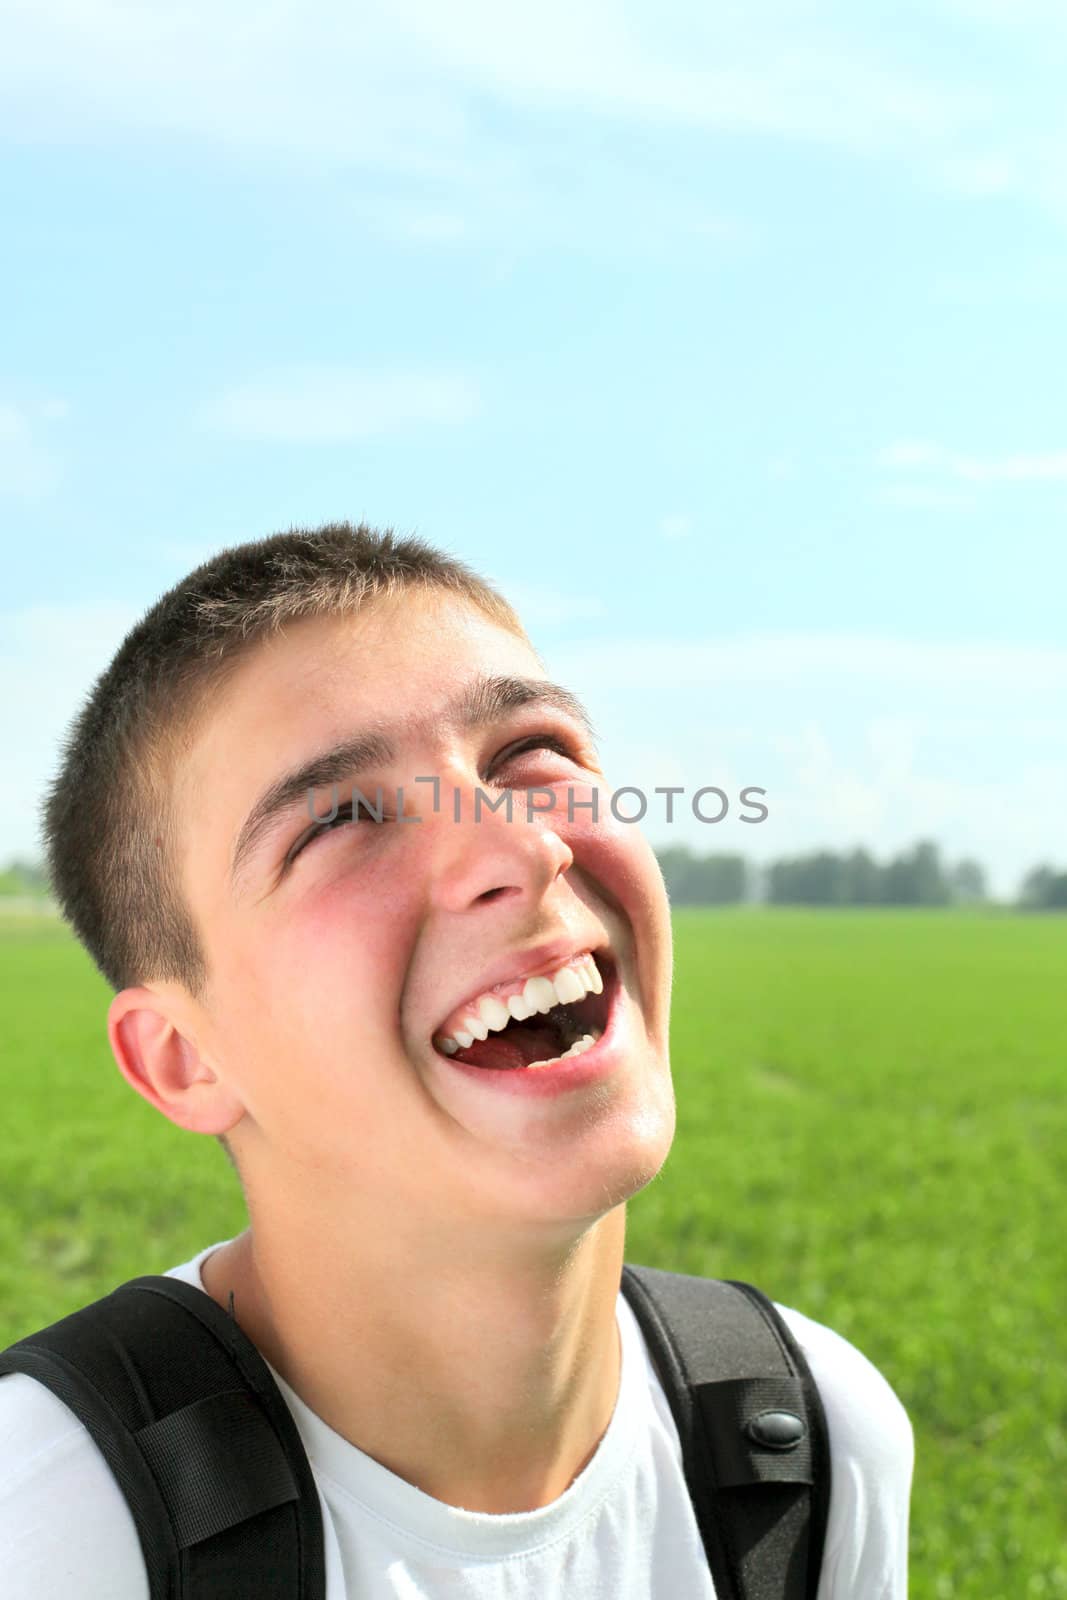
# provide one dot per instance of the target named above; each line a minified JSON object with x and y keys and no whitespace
{"x":481,"y":703}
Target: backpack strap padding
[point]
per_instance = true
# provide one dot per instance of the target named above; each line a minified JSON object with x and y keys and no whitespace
{"x":725,"y":1358}
{"x":204,"y":1447}
{"x":191,"y":1454}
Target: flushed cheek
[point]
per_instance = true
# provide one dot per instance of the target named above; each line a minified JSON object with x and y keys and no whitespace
{"x":351,"y":915}
{"x":320,"y":987}
{"x":616,"y":858}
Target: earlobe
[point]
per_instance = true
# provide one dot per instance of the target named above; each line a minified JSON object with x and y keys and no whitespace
{"x":165,"y":1067}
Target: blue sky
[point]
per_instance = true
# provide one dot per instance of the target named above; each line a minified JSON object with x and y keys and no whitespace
{"x":729,"y":341}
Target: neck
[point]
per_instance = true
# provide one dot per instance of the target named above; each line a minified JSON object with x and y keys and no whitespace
{"x":485,"y":1377}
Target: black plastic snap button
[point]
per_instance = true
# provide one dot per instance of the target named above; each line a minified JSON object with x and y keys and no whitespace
{"x":776,"y":1430}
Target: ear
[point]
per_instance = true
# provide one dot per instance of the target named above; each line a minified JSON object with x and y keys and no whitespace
{"x":164,"y":1064}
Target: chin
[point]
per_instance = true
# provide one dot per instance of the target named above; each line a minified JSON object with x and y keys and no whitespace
{"x":629,"y":1155}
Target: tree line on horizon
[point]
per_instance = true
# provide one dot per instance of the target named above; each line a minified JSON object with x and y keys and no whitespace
{"x":915,"y":877}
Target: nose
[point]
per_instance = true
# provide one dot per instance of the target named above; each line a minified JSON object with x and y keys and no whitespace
{"x":485,"y":858}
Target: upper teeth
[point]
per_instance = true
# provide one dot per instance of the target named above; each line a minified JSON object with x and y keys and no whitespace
{"x":491,"y":1014}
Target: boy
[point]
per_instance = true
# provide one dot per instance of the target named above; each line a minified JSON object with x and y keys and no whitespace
{"x":355,"y":999}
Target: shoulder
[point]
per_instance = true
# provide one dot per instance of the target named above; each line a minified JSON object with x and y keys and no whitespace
{"x":65,"y":1526}
{"x":863,"y":1412}
{"x":872,"y":1457}
{"x":52,"y":1477}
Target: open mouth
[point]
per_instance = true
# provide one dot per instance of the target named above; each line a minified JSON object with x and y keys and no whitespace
{"x":538,"y":1025}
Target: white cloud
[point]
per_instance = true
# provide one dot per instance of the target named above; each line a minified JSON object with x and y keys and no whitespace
{"x":724,"y":229}
{"x":677,"y":525}
{"x":924,"y":497}
{"x":1011,"y":469}
{"x":427,"y":227}
{"x":323,"y":405}
{"x":982,"y":175}
{"x":782,"y":658}
{"x":972,"y":100}
{"x":406,"y":87}
{"x":908,"y":453}
{"x":1023,"y":467}
{"x":694,"y":65}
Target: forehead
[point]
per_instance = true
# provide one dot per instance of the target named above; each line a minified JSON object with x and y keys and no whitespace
{"x":391,"y":664}
{"x":391,"y":668}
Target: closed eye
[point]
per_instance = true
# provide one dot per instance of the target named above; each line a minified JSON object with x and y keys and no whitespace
{"x":536,"y":741}
{"x":327,"y":824}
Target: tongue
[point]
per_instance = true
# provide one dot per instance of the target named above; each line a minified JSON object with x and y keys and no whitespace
{"x":516,"y":1047}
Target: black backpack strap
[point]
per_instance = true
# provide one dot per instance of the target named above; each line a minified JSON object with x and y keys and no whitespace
{"x":195,"y":1430}
{"x":755,"y":1446}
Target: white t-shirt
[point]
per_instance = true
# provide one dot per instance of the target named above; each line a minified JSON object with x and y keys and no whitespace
{"x":623,"y":1530}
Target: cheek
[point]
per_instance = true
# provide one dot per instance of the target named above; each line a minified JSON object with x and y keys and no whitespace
{"x":618,"y":859}
{"x":331,"y":960}
{"x":621,"y":858}
{"x":354,"y":929}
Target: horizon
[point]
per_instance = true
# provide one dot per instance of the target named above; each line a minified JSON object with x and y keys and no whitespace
{"x":757,"y":880}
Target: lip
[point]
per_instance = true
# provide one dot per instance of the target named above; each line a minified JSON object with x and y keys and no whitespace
{"x":576,"y":1072}
{"x":532,"y":963}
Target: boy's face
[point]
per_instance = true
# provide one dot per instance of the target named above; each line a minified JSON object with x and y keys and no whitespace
{"x":334,"y":971}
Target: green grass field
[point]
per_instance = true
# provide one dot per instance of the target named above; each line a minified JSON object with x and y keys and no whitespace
{"x":871,"y":1127}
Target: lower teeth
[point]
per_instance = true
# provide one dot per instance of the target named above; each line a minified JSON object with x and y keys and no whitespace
{"x":576,"y":1048}
{"x":579,"y":1047}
